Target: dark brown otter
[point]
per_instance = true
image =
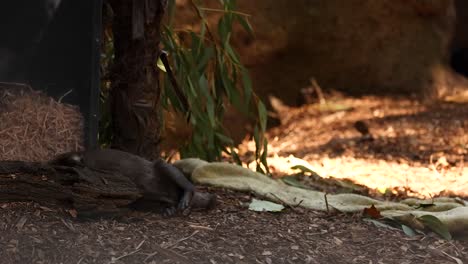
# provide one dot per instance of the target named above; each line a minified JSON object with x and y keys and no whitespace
{"x":162,"y":184}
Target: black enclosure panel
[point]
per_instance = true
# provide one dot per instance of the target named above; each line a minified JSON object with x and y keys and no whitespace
{"x":54,"y":46}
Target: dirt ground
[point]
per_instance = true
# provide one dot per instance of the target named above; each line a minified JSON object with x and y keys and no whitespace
{"x":229,"y":234}
{"x":416,"y":150}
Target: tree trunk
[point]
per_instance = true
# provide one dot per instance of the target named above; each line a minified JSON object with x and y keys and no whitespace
{"x":135,"y":88}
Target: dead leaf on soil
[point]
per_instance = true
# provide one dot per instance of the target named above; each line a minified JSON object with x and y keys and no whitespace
{"x":372,"y":212}
{"x":73,"y":213}
{"x":265,"y":206}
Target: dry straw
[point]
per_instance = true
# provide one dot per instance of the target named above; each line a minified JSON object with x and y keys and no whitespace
{"x":35,"y":127}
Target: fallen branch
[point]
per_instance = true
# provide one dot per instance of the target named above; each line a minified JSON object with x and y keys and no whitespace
{"x":89,"y":192}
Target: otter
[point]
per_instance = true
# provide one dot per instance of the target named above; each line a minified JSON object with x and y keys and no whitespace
{"x":160,"y":183}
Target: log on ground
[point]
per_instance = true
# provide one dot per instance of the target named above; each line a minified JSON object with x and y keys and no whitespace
{"x":91,"y":193}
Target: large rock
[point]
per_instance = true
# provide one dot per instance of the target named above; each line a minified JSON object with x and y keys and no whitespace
{"x":460,"y":39}
{"x":359,"y":46}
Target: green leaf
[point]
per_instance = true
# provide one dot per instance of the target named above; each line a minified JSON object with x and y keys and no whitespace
{"x":171,"y":8}
{"x":196,"y":44}
{"x":170,"y":40}
{"x":263,"y":158}
{"x":236,"y":98}
{"x":262,"y":114}
{"x":225,"y":139}
{"x":206,"y":55}
{"x":265,"y":206}
{"x":434,"y":224}
{"x":210,"y":109}
{"x":204,"y":87}
{"x":202,"y":33}
{"x":160,"y":65}
{"x":257,"y":142}
{"x":235,"y":156}
{"x":232,"y":54}
{"x":209,"y":71}
{"x":230,"y":4}
{"x":192,"y":89}
{"x":408,"y":230}
{"x":245,"y":24}
{"x":223,"y":30}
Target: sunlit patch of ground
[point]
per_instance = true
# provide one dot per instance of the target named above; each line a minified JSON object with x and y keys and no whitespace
{"x":419,"y":148}
{"x":421,"y":181}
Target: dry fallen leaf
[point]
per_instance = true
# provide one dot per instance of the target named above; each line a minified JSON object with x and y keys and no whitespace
{"x":73,"y":213}
{"x":372,"y":212}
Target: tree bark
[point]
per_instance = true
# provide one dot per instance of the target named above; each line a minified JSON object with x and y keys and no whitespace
{"x":135,"y":88}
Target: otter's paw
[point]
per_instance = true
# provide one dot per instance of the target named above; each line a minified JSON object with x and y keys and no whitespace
{"x":185,"y":201}
{"x":170,"y":211}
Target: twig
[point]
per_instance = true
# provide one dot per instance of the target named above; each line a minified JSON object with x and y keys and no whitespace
{"x":9,"y":84}
{"x":224,"y":11}
{"x":141,"y":244}
{"x":326,"y":203}
{"x":299,"y":203}
{"x":318,"y":90}
{"x":180,"y":240}
{"x":285,"y":204}
{"x":80,"y":260}
{"x":457,"y":260}
{"x":169,"y":254}
{"x":202,"y":18}
{"x":137,"y":249}
{"x":125,"y":255}
{"x":21,"y":222}
{"x":68,"y":225}
{"x":201,"y":227}
{"x":65,"y":94}
{"x":150,"y":256}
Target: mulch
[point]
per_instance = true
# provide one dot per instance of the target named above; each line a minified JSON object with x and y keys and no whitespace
{"x":231,"y":233}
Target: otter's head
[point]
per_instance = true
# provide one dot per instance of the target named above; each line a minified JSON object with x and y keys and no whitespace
{"x":203,"y":201}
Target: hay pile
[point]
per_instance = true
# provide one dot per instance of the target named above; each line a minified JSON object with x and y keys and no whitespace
{"x":35,"y":127}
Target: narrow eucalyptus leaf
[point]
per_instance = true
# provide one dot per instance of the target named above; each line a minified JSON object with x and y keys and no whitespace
{"x":222,"y":29}
{"x":263,"y":159}
{"x":257,"y":142}
{"x":210,"y":73}
{"x":206,"y":55}
{"x":224,"y":139}
{"x":210,"y":109}
{"x":245,"y":24}
{"x":262,"y":114}
{"x":232,"y":54}
{"x":236,"y":157}
{"x":160,"y":65}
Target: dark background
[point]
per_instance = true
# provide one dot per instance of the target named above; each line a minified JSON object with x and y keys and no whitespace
{"x":54,"y":46}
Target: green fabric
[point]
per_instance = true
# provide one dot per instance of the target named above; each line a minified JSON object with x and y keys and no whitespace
{"x":451,"y":211}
